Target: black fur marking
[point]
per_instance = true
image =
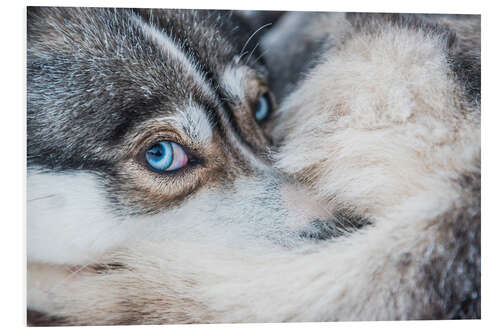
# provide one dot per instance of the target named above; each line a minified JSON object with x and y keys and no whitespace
{"x":451,"y":278}
{"x":237,"y":129}
{"x":37,"y":318}
{"x":108,"y":267}
{"x":342,"y":223}
{"x":467,"y":67}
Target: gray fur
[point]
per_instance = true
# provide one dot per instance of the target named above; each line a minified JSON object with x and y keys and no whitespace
{"x":95,"y":78}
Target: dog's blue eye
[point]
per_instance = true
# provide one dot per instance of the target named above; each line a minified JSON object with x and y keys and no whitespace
{"x":166,"y":156}
{"x":263,"y":108}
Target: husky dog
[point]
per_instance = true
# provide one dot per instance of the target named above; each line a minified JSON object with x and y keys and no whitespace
{"x":148,"y":127}
{"x":153,"y":196}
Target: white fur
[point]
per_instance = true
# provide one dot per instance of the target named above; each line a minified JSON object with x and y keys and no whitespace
{"x":200,"y":281}
{"x":189,"y":120}
{"x":379,"y":122}
{"x":68,"y":220}
{"x":233,"y":81}
{"x":195,"y":123}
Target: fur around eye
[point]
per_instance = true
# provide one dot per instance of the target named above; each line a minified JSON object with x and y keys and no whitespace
{"x":166,"y":156}
{"x":263,"y":108}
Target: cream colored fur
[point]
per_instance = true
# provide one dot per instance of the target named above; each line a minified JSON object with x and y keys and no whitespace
{"x":380,"y":122}
{"x":380,"y":127}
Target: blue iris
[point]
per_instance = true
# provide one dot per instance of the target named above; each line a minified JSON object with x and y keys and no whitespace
{"x":161,"y":155}
{"x":263,"y":108}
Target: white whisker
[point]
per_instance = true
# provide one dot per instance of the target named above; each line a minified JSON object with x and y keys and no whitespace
{"x":250,"y":38}
{"x":251,"y":53}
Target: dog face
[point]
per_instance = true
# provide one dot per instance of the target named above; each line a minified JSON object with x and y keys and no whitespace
{"x":150,"y":124}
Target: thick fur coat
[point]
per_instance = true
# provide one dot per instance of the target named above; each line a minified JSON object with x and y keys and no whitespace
{"x":367,"y":207}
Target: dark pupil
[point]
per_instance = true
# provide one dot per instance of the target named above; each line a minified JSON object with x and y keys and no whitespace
{"x":156,"y":151}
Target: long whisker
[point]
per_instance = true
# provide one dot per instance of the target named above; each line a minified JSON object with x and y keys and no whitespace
{"x":250,"y":55}
{"x":41,"y":198}
{"x":68,"y":277}
{"x":251,"y":36}
{"x":239,"y":57}
{"x":261,"y":55}
{"x":84,"y":266}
